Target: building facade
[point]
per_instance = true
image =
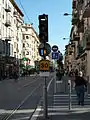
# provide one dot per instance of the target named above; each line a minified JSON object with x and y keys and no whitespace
{"x":11,"y":20}
{"x":30,"y":44}
{"x":80,"y":35}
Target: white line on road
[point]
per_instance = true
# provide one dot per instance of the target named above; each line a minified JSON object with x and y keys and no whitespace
{"x":66,"y":100}
{"x":23,"y":102}
{"x":49,"y":83}
{"x":26,"y":85}
{"x":39,"y":108}
{"x":2,"y":111}
{"x":65,"y":95}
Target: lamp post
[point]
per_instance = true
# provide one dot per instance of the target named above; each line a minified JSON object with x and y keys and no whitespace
{"x":65,"y":38}
{"x":66,"y":14}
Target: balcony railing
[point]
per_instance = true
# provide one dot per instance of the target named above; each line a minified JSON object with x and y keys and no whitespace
{"x":8,"y":9}
{"x":79,"y":50}
{"x":87,"y":45}
{"x":15,"y":14}
{"x":81,"y":1}
{"x":8,"y":23}
{"x":74,"y":4}
{"x":86,"y":9}
{"x":80,"y":26}
{"x":76,"y":37}
{"x":75,"y":19}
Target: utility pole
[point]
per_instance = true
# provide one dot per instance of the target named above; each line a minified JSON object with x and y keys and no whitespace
{"x":43,"y":36}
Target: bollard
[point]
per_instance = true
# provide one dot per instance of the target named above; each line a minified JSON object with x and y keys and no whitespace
{"x":69,"y":89}
{"x":55,"y":83}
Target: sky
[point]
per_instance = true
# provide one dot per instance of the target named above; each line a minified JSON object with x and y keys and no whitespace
{"x":59,"y":26}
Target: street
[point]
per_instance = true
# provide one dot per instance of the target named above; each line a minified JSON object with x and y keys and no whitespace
{"x":18,"y":100}
{"x":59,"y":109}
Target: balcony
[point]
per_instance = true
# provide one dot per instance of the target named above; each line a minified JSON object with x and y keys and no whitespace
{"x":87,"y":45}
{"x":73,"y":45}
{"x":80,"y":1}
{"x":8,"y":9}
{"x":86,"y":10}
{"x":75,"y":19}
{"x":71,"y":51}
{"x":74,"y":4}
{"x":80,"y":26}
{"x":15,"y":14}
{"x":8,"y":23}
{"x":79,"y":50}
{"x":76,"y":37}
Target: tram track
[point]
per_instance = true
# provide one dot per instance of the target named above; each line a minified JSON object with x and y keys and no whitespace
{"x":8,"y":117}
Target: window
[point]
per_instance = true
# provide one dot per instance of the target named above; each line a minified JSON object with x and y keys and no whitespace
{"x":27,"y":45}
{"x":26,"y":29}
{"x":23,"y":36}
{"x":24,"y":53}
{"x":27,"y":37}
{"x":3,"y":13}
{"x":30,"y":52}
{"x":27,"y":53}
{"x":15,"y":45}
{"x":23,"y":44}
{"x":3,"y":29}
{"x":3,"y":1}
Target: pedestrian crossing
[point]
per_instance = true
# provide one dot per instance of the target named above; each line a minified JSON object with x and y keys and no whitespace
{"x":61,"y":105}
{"x":63,"y":100}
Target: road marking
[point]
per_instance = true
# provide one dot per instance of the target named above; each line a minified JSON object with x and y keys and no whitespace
{"x":26,"y":85}
{"x":49,"y":83}
{"x":2,"y":111}
{"x":36,"y":113}
{"x":39,"y":108}
{"x":22,"y":102}
{"x":60,"y":112}
{"x":23,"y":118}
{"x":73,"y":100}
{"x":65,"y":95}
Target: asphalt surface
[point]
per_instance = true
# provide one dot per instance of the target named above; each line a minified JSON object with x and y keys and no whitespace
{"x":18,"y":100}
{"x":59,"y":109}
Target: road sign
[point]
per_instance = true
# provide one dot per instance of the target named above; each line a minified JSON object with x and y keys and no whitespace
{"x":54,"y":48}
{"x":55,"y":55}
{"x":44,"y":65}
{"x":44,"y":47}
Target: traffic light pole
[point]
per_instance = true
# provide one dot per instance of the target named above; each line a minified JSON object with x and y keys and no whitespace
{"x":45,"y":96}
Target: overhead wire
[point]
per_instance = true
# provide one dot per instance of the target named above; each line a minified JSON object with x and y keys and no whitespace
{"x":25,"y":12}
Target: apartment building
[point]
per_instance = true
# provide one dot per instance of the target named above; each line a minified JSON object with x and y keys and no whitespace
{"x":30,"y":44}
{"x":69,"y":56}
{"x":80,"y":35}
{"x":11,"y":20}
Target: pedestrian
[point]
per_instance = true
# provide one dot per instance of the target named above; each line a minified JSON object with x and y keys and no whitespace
{"x":15,"y":73}
{"x":80,"y":87}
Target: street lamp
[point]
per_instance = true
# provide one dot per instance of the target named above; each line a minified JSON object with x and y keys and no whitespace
{"x":66,"y":14}
{"x":65,"y":38}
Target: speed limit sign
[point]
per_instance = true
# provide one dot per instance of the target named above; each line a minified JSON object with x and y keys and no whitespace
{"x":44,"y":65}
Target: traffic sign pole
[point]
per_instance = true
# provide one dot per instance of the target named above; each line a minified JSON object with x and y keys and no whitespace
{"x":45,"y":96}
{"x":44,"y":50}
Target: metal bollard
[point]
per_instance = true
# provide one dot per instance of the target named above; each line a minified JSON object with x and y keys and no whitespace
{"x":69,"y":89}
{"x":55,"y":83}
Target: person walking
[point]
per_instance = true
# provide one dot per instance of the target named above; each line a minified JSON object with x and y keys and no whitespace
{"x":15,"y":73}
{"x":80,"y":87}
